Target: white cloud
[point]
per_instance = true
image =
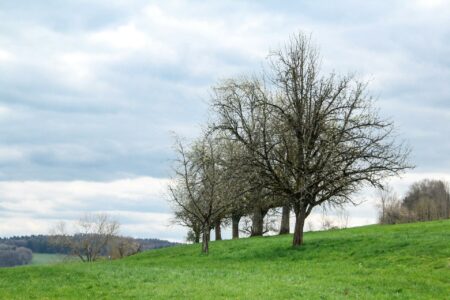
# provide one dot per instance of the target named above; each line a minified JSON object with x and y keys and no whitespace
{"x":431,"y":4}
{"x":24,"y":226}
{"x":5,"y":56}
{"x":85,"y":92}
{"x":124,"y":36}
{"x":5,"y":112}
{"x":139,"y":203}
{"x":10,"y":154}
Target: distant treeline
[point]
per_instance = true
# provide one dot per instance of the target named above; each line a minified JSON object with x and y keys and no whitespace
{"x":36,"y":243}
{"x":425,"y":200}
{"x":43,"y":244}
{"x":148,"y":244}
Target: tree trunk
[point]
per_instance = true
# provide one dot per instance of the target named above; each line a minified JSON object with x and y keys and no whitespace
{"x":235,"y":218}
{"x":258,"y":221}
{"x":300,"y":216}
{"x":448,"y":205}
{"x":284,"y":226}
{"x":218,"y":231}
{"x":197,"y":237}
{"x":205,"y":239}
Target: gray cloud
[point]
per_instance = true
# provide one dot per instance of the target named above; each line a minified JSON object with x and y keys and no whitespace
{"x":94,"y":95}
{"x":90,"y":90}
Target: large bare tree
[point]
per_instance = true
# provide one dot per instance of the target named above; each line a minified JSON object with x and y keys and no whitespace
{"x":313,"y":139}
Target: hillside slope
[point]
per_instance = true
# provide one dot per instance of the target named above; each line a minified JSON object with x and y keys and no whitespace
{"x":410,"y":261}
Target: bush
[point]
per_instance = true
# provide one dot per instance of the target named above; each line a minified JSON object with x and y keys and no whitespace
{"x":14,"y":256}
{"x":396,"y":213}
{"x":120,"y":247}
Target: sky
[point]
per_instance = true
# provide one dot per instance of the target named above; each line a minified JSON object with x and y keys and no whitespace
{"x":91,"y":93}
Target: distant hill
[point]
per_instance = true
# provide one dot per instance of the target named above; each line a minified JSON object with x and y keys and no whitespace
{"x":41,"y":244}
{"x":406,"y":261}
{"x":148,"y":244}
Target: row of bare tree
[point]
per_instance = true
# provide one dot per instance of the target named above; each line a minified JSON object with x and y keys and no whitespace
{"x":289,"y":137}
{"x":425,"y":200}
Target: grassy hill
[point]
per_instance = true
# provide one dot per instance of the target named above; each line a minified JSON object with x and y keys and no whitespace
{"x":410,"y":261}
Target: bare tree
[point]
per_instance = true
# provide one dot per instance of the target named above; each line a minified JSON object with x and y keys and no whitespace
{"x":120,"y":247}
{"x":184,"y":218}
{"x":313,"y":139}
{"x":260,"y":206}
{"x":387,"y":199}
{"x":269,"y":224}
{"x":425,"y":200}
{"x":428,"y":200}
{"x":326,"y":222}
{"x":343,"y":217}
{"x":199,"y":188}
{"x":310,"y":225}
{"x":245,"y":190}
{"x":92,"y":234}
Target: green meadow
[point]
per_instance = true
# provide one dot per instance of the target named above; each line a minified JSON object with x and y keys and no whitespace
{"x":46,"y":259}
{"x":408,"y":261}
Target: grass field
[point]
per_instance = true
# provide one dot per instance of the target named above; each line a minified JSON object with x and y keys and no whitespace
{"x":410,"y":261}
{"x":46,"y":259}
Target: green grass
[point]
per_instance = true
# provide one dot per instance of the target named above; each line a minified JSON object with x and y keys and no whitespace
{"x":47,"y":259}
{"x":410,"y":261}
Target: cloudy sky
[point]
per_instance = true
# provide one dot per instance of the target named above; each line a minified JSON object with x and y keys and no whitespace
{"x":90,"y":92}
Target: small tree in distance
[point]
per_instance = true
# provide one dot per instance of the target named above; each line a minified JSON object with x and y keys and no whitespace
{"x":120,"y":247}
{"x":92,"y":234}
{"x":389,"y":205}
